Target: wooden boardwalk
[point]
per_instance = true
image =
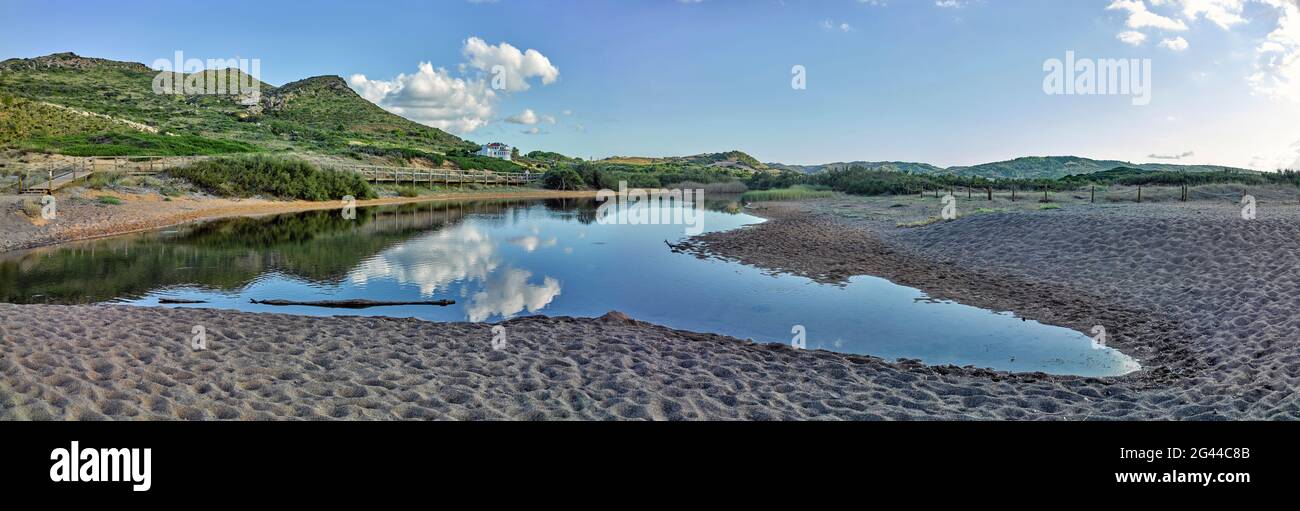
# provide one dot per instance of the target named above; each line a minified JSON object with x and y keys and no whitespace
{"x":46,"y":178}
{"x":432,"y":177}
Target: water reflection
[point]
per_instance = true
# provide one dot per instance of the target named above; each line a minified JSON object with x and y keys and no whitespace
{"x":432,"y":261}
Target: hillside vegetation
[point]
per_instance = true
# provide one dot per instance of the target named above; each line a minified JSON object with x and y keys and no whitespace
{"x":316,"y":115}
{"x":274,"y":176}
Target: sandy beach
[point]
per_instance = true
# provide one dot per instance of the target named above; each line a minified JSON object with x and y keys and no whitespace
{"x":1200,"y":297}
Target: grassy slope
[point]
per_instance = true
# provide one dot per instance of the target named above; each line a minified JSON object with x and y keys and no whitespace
{"x":319,"y":115}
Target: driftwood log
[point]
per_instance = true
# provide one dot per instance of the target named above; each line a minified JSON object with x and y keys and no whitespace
{"x":169,"y":301}
{"x":350,"y":304}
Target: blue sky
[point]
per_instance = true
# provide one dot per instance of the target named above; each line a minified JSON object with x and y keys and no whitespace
{"x":950,"y":82}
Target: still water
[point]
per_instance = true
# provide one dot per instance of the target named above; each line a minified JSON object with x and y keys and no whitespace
{"x":505,"y":259}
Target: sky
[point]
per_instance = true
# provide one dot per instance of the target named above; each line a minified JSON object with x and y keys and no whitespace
{"x":947,"y":82}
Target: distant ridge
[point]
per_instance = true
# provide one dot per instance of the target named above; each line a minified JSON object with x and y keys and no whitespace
{"x":731,"y":159}
{"x":1029,"y":167}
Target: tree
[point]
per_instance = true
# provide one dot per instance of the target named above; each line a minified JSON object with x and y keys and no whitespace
{"x":514,"y":153}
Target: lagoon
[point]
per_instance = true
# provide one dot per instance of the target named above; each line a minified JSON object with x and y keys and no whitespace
{"x":504,"y":259}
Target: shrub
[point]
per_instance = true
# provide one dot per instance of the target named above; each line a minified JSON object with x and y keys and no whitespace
{"x":101,"y":180}
{"x":31,"y":207}
{"x":112,"y":201}
{"x":169,"y":190}
{"x":793,"y":193}
{"x":408,"y":191}
{"x":563,"y":179}
{"x":277,"y":176}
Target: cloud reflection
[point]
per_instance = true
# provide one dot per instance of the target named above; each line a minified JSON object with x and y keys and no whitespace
{"x":453,"y":254}
{"x":508,"y":292}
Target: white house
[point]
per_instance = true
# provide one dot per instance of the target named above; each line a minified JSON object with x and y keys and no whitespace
{"x":495,"y":150}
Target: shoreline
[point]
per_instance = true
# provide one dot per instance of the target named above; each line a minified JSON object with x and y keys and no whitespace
{"x":209,"y":209}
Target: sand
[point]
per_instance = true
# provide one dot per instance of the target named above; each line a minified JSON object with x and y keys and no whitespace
{"x":120,"y":362}
{"x":1200,"y":297}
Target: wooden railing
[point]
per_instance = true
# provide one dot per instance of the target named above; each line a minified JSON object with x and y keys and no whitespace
{"x":50,"y":176}
{"x":446,"y":177}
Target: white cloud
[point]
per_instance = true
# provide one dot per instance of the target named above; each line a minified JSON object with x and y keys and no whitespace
{"x":519,"y":66}
{"x":1224,"y":13}
{"x":432,"y":97}
{"x":1277,"y":73}
{"x":1175,"y":44}
{"x":831,"y":25}
{"x":1132,"y":37}
{"x":460,"y":103}
{"x":529,"y":117}
{"x":1140,"y":17}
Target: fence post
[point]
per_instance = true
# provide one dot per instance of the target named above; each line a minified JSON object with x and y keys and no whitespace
{"x":1094,"y":194}
{"x":1139,"y":193}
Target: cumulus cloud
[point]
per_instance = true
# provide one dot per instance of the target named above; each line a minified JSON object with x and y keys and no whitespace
{"x":1277,"y":70}
{"x":462,"y":102}
{"x":1175,"y":44}
{"x":1224,"y":13}
{"x":431,"y":96}
{"x":516,"y":66}
{"x":1277,"y":73}
{"x":529,"y":117}
{"x":1140,"y":17}
{"x":1132,"y":37}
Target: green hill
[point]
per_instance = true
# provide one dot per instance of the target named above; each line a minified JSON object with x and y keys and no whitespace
{"x":888,"y":166}
{"x":315,"y":115}
{"x":735,"y":160}
{"x":1054,"y":167}
{"x":1030,"y":167}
